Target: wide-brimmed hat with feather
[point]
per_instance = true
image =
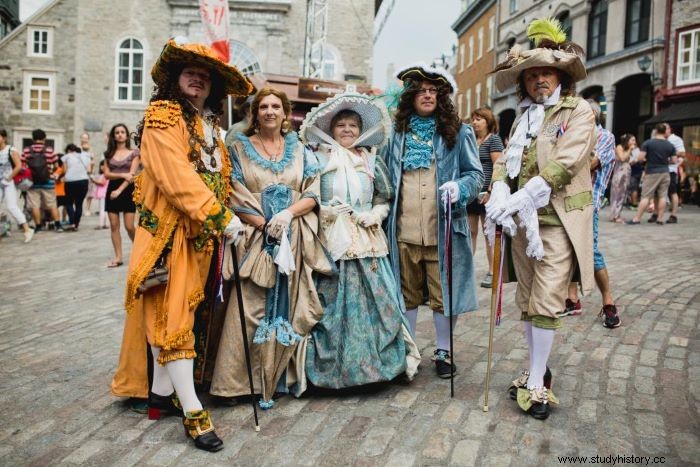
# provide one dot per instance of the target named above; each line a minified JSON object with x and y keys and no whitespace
{"x":551,"y":50}
{"x":178,"y":52}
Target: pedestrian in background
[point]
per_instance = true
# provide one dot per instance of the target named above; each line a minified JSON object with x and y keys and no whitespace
{"x":42,"y":162}
{"x":78,"y":167}
{"x":490,"y":149}
{"x":10,"y":165}
{"x":121,"y":163}
{"x":674,"y":173}
{"x":621,"y":176}
{"x":100,"y":194}
{"x":85,"y":149}
{"x":658,"y":154}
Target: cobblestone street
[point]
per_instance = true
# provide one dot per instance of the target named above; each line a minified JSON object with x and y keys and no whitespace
{"x":633,"y":391}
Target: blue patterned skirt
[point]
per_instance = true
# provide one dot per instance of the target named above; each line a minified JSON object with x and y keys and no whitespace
{"x":359,"y":339}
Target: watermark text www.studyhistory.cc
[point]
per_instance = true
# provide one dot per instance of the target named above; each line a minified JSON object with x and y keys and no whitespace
{"x":612,"y":460}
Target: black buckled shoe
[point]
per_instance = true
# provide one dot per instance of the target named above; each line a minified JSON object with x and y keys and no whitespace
{"x":521,"y":382}
{"x":160,"y":406}
{"x":199,"y":427}
{"x":539,"y":398}
{"x":443,"y":364}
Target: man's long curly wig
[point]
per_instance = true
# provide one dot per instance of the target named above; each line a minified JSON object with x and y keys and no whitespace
{"x":170,"y":91}
{"x":446,"y":118}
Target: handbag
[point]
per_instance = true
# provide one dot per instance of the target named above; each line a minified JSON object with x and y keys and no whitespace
{"x":156,"y":277}
{"x":23,"y":179}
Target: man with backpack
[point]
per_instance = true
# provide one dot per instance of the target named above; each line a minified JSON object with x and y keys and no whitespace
{"x":41,"y":161}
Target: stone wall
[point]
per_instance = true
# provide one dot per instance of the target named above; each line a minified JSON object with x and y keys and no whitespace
{"x":15,"y":63}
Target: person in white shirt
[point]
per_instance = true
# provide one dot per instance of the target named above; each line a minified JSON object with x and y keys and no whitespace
{"x":674,"y":187}
{"x":78,"y":166}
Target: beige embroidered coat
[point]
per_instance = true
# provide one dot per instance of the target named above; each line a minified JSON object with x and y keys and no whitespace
{"x":563,"y":160}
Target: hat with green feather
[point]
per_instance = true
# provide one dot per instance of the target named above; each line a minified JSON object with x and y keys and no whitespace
{"x":551,"y":50}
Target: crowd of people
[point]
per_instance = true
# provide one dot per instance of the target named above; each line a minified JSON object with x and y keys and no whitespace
{"x":337,"y":234}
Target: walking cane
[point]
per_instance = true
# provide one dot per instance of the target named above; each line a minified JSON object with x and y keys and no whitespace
{"x":447,"y":204}
{"x":241,"y":314}
{"x":496,"y":288}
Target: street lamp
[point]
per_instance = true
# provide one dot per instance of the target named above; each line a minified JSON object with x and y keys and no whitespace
{"x":644,"y":63}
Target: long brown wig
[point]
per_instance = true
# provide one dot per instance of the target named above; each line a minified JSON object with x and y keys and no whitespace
{"x":171,"y":92}
{"x":447,"y":121}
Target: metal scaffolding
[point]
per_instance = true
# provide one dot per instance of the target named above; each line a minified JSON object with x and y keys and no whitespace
{"x":316,"y":36}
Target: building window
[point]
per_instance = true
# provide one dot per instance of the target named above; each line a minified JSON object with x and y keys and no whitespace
{"x":513,"y":6}
{"x":243,"y":58}
{"x":492,"y":32}
{"x":4,"y":27}
{"x":39,"y":94}
{"x":129,"y":70}
{"x":469,"y":102}
{"x":489,"y":84}
{"x":481,"y":43}
{"x":330,"y":62}
{"x":688,"y":71}
{"x":597,"y":25}
{"x":477,"y":96}
{"x":39,"y":42}
{"x":471,"y":50}
{"x":461,"y":58}
{"x":637,"y":21}
{"x":565,"y":19}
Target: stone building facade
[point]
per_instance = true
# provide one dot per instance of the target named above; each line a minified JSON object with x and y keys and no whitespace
{"x":84,"y":65}
{"x":679,"y":99}
{"x":475,"y":55}
{"x":617,"y":35}
{"x":9,"y":16}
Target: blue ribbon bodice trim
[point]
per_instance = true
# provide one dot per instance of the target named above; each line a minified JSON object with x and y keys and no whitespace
{"x":290,"y":144}
{"x":419,"y":143}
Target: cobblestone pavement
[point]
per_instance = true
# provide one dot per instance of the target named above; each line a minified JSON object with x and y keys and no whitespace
{"x":633,"y":391}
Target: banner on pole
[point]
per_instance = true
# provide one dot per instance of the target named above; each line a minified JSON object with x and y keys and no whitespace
{"x":214,"y":15}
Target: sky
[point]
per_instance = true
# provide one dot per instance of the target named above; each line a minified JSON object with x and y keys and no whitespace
{"x":415,"y":31}
{"x":29,"y":7}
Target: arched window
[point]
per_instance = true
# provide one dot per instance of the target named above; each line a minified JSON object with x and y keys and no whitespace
{"x":129,"y":71}
{"x":330,"y":62}
{"x":565,"y":19}
{"x":597,"y":27}
{"x":243,"y":58}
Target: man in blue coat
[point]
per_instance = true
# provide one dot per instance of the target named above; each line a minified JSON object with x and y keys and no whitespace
{"x":432,"y":156}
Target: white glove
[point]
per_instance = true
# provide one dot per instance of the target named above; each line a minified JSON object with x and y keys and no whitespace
{"x":233,"y":230}
{"x":5,"y":182}
{"x":500,"y":191}
{"x":367,"y":219}
{"x":279,"y":223}
{"x":373,"y":217}
{"x":532,"y":196}
{"x":452,"y":189}
{"x":509,"y":228}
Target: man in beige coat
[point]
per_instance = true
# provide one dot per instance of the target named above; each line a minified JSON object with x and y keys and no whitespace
{"x":543,"y":181}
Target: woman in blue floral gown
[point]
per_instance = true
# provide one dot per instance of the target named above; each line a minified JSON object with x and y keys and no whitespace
{"x":362,"y":336}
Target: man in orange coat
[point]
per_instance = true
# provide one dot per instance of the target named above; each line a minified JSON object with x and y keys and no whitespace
{"x":181,"y":196}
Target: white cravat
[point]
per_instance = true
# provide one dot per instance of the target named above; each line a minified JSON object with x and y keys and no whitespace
{"x":528,"y":127}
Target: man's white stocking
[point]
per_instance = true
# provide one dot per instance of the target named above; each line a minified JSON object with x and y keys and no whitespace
{"x":180,"y":372}
{"x":542,"y":340}
{"x":412,"y":317}
{"x":442,"y":329}
{"x":161,"y":380}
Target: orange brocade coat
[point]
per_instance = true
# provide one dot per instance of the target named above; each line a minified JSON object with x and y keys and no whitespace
{"x":181,"y":204}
